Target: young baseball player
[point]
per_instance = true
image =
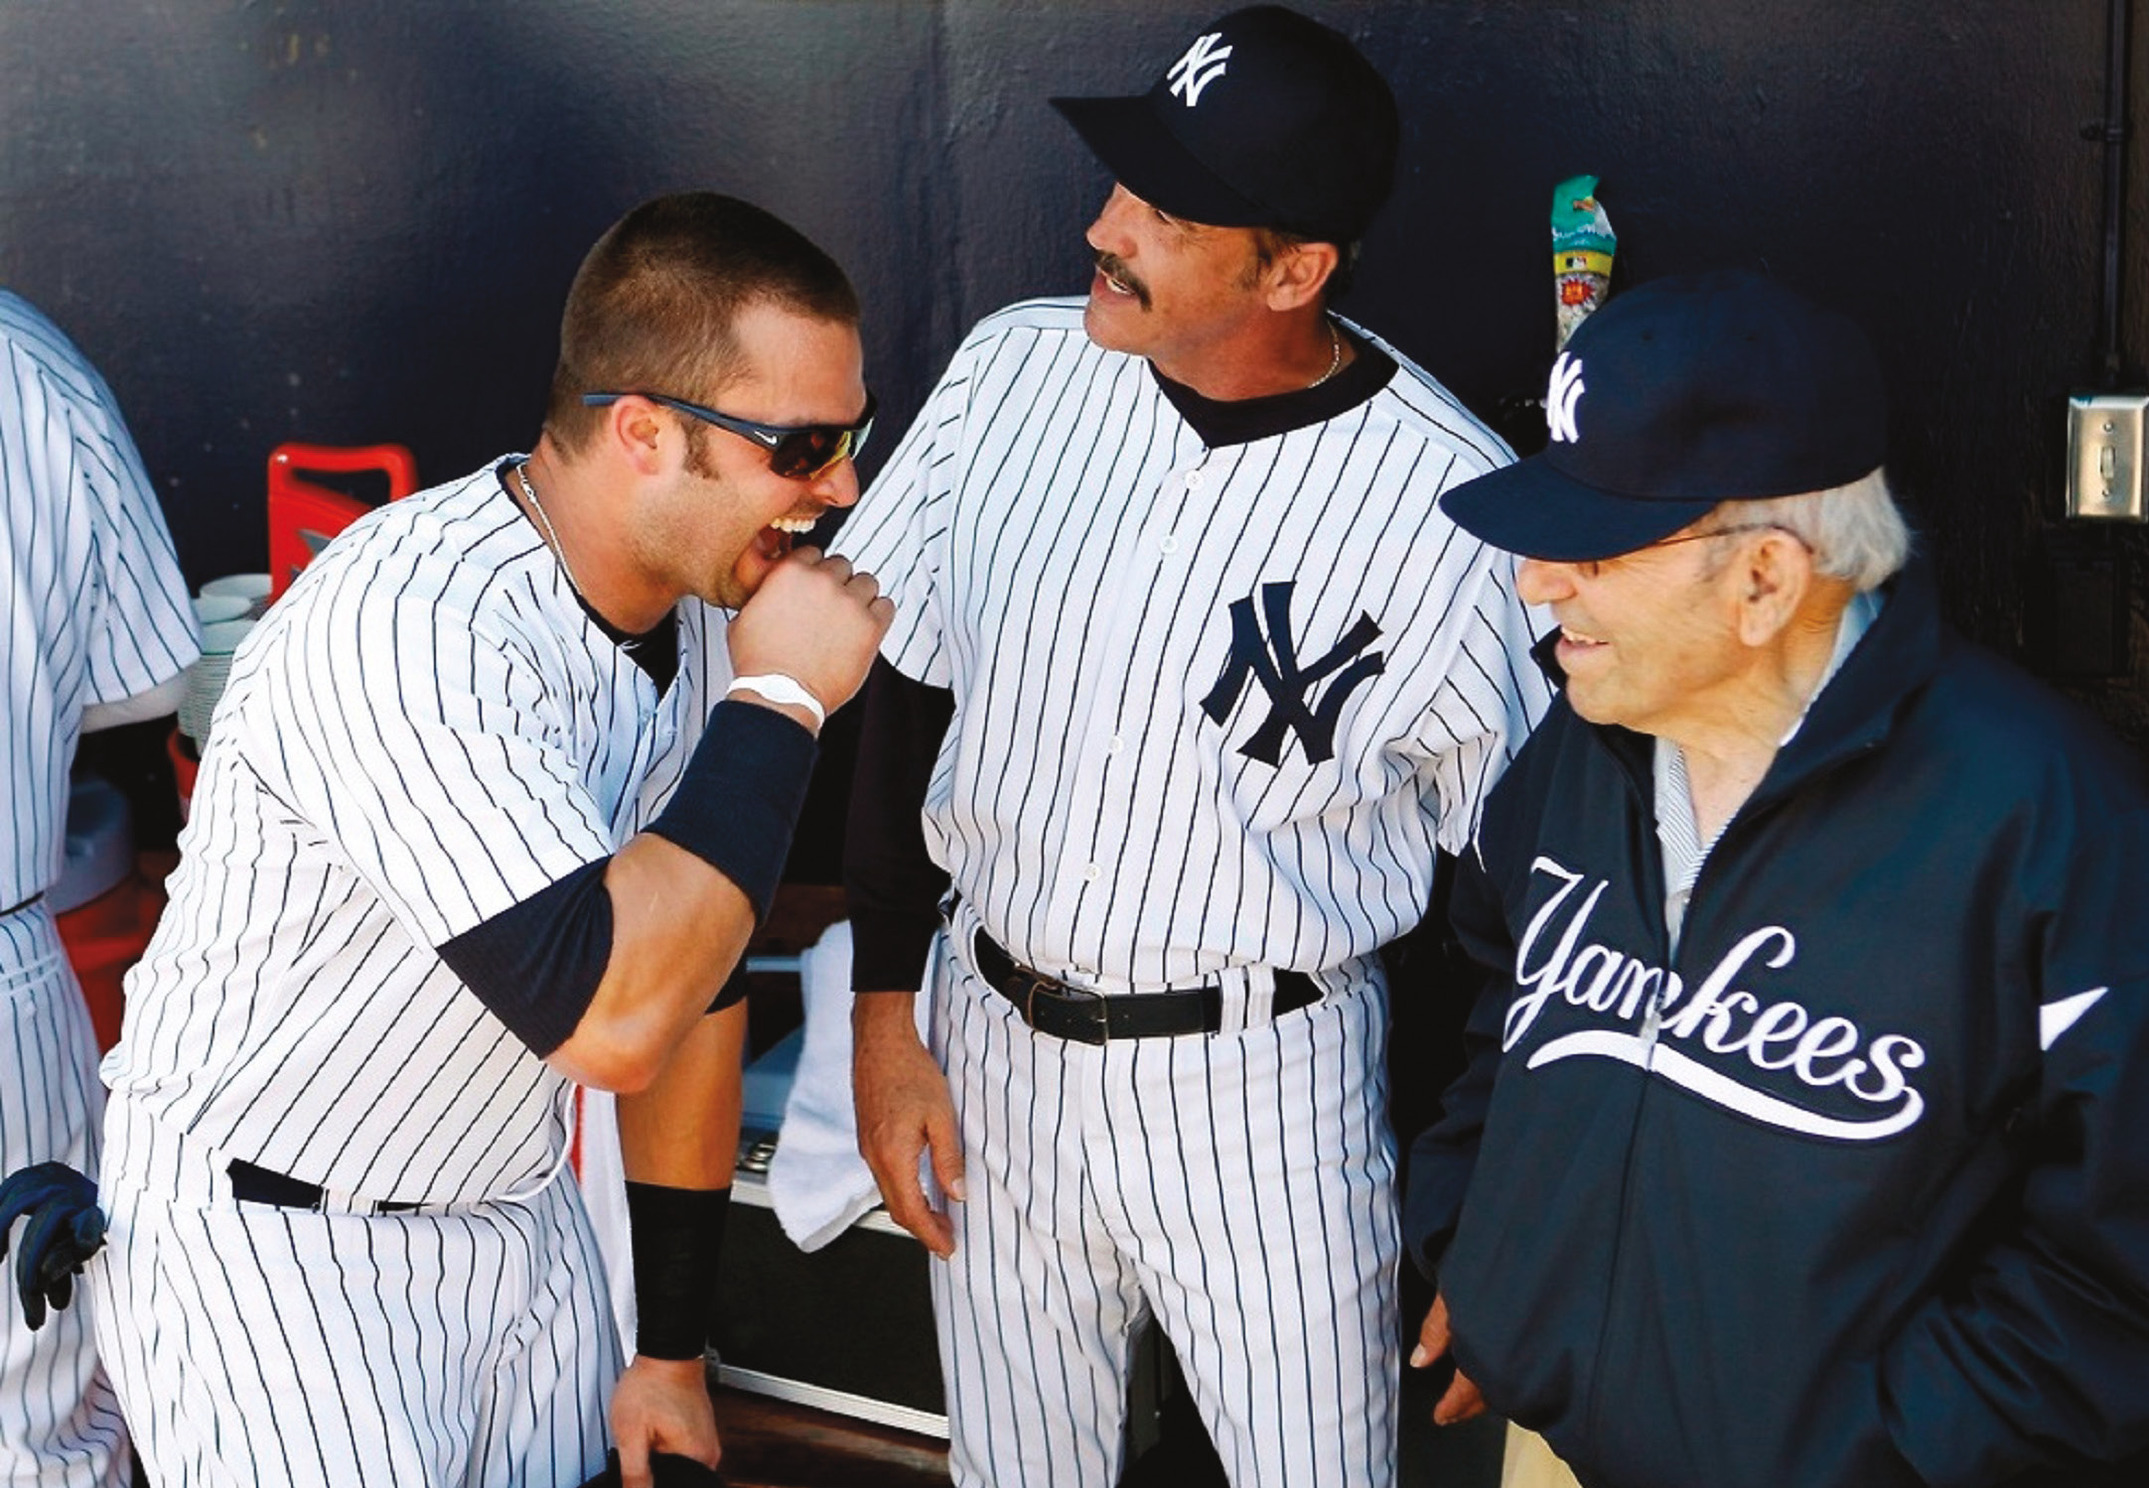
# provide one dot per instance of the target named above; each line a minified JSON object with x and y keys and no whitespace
{"x":1191,"y":679}
{"x":494,"y":798}
{"x":98,"y":631}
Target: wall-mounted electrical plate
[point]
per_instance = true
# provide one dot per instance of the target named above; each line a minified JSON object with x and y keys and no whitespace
{"x":2105,"y":456}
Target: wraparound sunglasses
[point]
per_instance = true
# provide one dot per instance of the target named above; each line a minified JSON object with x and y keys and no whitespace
{"x":796,"y":451}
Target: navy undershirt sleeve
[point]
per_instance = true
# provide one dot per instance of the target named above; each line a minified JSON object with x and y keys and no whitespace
{"x":537,"y":964}
{"x":734,"y":990}
{"x":893,"y":885}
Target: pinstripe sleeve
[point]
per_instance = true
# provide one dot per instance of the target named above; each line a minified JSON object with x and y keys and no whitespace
{"x":427,"y":740}
{"x":145,"y":632}
{"x":899,"y":532}
{"x":1490,"y":698}
{"x":1490,"y":694}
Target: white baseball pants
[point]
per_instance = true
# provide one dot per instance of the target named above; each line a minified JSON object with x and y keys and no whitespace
{"x":1239,"y":1186}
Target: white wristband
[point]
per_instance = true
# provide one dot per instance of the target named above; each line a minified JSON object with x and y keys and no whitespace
{"x":778,"y":688}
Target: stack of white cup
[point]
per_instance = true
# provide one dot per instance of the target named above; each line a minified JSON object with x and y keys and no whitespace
{"x":227,"y":609}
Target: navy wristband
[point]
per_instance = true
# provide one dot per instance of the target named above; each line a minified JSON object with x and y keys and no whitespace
{"x":677,"y":1234}
{"x":738,"y":802}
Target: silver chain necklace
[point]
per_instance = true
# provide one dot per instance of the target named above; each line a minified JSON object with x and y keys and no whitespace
{"x":1335,"y":360}
{"x":522,"y":478}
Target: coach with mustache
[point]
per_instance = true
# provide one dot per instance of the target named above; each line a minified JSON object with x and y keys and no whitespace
{"x":1220,"y":678}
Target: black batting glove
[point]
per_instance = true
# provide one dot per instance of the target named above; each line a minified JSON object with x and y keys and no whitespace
{"x":65,"y":1229}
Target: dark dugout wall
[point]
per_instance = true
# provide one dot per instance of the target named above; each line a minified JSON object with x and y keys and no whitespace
{"x":344,"y":222}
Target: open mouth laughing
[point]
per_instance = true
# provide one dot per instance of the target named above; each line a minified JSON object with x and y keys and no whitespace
{"x":775,"y":540}
{"x":1574,"y":643}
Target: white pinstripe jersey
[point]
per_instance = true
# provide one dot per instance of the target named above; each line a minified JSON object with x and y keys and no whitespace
{"x":91,"y":596}
{"x":426,"y":730}
{"x":1065,"y":554}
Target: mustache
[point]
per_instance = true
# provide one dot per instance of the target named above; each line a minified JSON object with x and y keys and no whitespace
{"x":1112,"y":267}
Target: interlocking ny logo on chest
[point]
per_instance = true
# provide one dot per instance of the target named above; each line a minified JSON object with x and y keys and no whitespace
{"x":1271,"y":658}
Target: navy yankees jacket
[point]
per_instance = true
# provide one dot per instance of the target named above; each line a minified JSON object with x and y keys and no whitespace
{"x":1865,"y":1202}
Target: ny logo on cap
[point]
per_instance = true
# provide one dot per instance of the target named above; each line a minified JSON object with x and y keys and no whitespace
{"x":1202,"y":65}
{"x":1561,"y":394}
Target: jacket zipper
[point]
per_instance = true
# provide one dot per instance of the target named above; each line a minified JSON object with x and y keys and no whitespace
{"x":1651,"y":878}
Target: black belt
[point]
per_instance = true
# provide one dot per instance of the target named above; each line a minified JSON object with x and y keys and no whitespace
{"x":1051,"y":1006}
{"x":256,"y":1185}
{"x":16,"y":908}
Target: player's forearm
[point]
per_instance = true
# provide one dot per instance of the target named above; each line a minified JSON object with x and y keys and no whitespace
{"x":678,"y":1140}
{"x":683,"y":1129}
{"x":679,"y":927}
{"x":685,"y":894}
{"x":884,"y":1016}
{"x":884,"y":1020}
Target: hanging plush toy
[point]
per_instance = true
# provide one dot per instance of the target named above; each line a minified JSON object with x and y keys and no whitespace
{"x":1582,"y":247}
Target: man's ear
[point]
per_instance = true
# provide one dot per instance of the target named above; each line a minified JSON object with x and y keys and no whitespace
{"x":637,"y":432}
{"x":1774,"y":574}
{"x":1299,"y":273}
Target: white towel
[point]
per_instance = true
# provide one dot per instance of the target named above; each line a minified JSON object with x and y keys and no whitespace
{"x":604,"y":1194}
{"x":817,"y":1181}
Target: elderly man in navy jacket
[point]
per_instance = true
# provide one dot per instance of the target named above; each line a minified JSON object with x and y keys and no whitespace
{"x":1805,"y":1139}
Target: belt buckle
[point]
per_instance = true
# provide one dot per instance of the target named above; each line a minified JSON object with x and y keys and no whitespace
{"x":1066,"y":996}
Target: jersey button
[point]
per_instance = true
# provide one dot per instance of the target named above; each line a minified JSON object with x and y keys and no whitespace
{"x":1169,"y":544}
{"x":1091,"y":872}
{"x":1114,"y":744}
{"x":1195,"y":480}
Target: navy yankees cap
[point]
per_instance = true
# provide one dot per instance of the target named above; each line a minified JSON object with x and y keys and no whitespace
{"x":1679,"y":394}
{"x":1267,"y":119}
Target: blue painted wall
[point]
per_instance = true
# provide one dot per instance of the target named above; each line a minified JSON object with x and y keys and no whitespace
{"x":351,"y":220}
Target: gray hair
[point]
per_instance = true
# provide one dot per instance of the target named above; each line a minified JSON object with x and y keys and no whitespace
{"x":1856,"y":532}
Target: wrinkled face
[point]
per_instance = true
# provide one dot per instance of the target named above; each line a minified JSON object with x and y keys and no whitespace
{"x":1165,"y":289}
{"x":730,"y":519}
{"x":1649,"y":640}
